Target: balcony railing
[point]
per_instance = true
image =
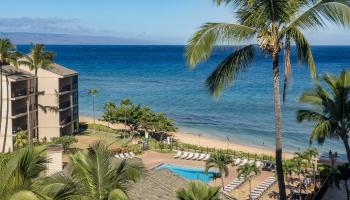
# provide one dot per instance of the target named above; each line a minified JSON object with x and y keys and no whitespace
{"x":65,"y":88}
{"x":65,"y":120}
{"x":19,"y":92}
{"x":17,"y":111}
{"x":64,"y":104}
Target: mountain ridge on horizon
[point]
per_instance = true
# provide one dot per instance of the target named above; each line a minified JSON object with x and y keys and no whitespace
{"x":23,"y":38}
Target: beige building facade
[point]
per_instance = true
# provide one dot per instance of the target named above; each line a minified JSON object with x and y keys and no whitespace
{"x":51,"y":111}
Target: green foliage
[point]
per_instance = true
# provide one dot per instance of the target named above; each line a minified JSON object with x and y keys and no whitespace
{"x":92,"y":92}
{"x":21,"y":139}
{"x":38,"y":58}
{"x":103,"y":128}
{"x":96,"y":175}
{"x":198,"y":191}
{"x":220,"y":161}
{"x":65,"y":141}
{"x":137,"y":116}
{"x":329,"y":109}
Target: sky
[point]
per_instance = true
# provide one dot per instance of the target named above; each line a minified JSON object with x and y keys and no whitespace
{"x":158,"y":21}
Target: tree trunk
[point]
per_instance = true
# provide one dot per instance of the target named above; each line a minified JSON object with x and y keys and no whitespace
{"x":7,"y":113}
{"x":250,"y":189}
{"x":347,"y":189}
{"x":278,"y":134}
{"x":1,"y":99}
{"x":347,"y":148}
{"x":222,"y":180}
{"x":93,"y":112}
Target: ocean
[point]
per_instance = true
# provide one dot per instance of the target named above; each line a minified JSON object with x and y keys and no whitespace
{"x":157,"y":76}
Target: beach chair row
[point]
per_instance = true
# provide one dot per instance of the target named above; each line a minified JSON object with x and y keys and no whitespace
{"x":234,"y":184}
{"x":191,"y":156}
{"x":240,"y":162}
{"x":127,"y":155}
{"x":262,"y":188}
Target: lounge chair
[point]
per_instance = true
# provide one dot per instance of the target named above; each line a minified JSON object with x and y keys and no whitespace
{"x":189,"y":156}
{"x":251,"y":162}
{"x":132,"y":154}
{"x":243,"y":162}
{"x":127,"y":155}
{"x":195,"y":157}
{"x":116,"y":156}
{"x":237,"y":161}
{"x":178,"y":154}
{"x":258,"y":163}
{"x":184,"y":155}
{"x":202,"y":156}
{"x":207,"y":157}
{"x":121,"y":156}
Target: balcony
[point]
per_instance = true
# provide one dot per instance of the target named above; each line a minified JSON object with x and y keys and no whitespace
{"x":18,"y":111}
{"x":65,"y":104}
{"x":19,"y":92}
{"x":65,"y":120}
{"x":65,"y":88}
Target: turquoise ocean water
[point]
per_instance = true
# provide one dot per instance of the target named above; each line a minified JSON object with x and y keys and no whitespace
{"x":157,"y":76}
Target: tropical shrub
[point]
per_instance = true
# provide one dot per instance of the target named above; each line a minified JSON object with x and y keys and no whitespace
{"x":198,"y":191}
{"x":65,"y":141}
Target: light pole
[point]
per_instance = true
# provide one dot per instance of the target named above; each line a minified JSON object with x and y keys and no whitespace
{"x":199,"y":140}
{"x":228,"y":140}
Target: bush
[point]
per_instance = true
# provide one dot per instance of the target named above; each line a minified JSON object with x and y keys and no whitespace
{"x":65,"y":141}
{"x":103,"y":128}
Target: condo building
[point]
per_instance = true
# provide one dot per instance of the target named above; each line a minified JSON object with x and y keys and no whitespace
{"x":50,"y":111}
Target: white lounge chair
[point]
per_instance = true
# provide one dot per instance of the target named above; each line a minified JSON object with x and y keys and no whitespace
{"x":243,"y":162}
{"x":237,"y":161}
{"x":207,"y":157}
{"x":202,"y":156}
{"x":190,"y":156}
{"x":127,"y":155}
{"x":132,"y":154}
{"x":195,"y":157}
{"x":178,"y":154}
{"x":258,"y":163}
{"x":251,"y":162}
{"x":121,"y":156}
{"x":116,"y":156}
{"x":184,"y":155}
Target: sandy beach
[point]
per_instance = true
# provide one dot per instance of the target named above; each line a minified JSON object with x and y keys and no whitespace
{"x":192,"y":138}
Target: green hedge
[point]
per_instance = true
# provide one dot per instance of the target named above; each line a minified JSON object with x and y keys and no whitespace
{"x":161,"y":147}
{"x":103,"y":128}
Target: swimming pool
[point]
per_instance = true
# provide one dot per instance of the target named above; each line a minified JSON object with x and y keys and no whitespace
{"x":190,"y":173}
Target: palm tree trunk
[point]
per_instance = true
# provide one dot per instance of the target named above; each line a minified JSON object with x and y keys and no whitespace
{"x":347,"y":148}
{"x":93,"y":111}
{"x":347,"y":189}
{"x":222,"y":181}
{"x":1,"y":99}
{"x":278,"y":134}
{"x":7,"y":113}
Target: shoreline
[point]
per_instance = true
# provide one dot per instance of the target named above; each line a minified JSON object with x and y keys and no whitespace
{"x":205,"y":140}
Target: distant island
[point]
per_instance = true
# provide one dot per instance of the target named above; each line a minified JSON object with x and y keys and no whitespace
{"x":65,"y":39}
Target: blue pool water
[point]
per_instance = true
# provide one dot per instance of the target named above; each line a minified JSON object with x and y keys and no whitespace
{"x":190,"y":173}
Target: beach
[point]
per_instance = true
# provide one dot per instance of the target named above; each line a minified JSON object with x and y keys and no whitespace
{"x":204,"y":140}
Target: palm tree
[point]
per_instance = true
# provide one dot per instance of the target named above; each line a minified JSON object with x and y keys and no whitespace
{"x":330,"y":108}
{"x":219,"y":160}
{"x":93,"y":93}
{"x":21,"y":177}
{"x":343,"y":174}
{"x":198,"y":191}
{"x":275,"y":24}
{"x":7,"y":56}
{"x":97,"y":176}
{"x":248,"y":171}
{"x":38,"y":58}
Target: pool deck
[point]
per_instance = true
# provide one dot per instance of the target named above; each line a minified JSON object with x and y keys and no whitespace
{"x":152,"y":159}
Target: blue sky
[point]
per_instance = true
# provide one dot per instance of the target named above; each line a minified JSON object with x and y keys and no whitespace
{"x":161,"y":21}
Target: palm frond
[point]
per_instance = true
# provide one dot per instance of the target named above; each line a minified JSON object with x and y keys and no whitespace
{"x":320,"y":11}
{"x":226,"y":72}
{"x":303,"y":48}
{"x":201,"y":44}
